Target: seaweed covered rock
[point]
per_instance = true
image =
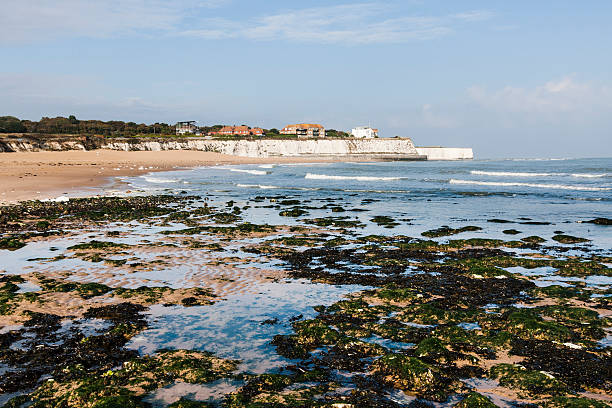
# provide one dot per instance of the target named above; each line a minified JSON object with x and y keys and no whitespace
{"x":528,"y":382}
{"x":125,"y":386}
{"x":413,"y":375}
{"x":475,"y":400}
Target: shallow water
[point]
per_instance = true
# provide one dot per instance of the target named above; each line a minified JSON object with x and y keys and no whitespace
{"x":423,"y":193}
{"x":419,"y":196}
{"x":233,"y":328}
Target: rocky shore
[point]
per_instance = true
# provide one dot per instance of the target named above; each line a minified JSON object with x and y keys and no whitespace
{"x":438,"y":320}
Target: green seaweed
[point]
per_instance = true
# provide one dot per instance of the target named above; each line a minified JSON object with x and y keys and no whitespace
{"x":446,"y":231}
{"x":569,"y":239}
{"x":475,"y":400}
{"x":527,"y":381}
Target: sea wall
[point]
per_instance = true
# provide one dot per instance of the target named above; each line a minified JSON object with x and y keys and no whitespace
{"x":446,"y":153}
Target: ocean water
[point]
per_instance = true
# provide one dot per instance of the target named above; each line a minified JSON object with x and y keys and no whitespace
{"x":536,"y":197}
{"x":420,"y":195}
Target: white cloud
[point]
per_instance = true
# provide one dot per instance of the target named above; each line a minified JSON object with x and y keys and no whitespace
{"x":553,"y":99}
{"x":33,"y":20}
{"x":350,"y":24}
{"x":362,"y":23}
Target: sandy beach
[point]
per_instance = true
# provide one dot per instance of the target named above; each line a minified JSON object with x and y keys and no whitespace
{"x":43,"y":175}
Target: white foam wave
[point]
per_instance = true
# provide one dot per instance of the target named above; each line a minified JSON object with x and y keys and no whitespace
{"x":158,"y":180}
{"x":589,"y":175}
{"x":60,"y":199}
{"x":254,"y":172}
{"x":511,"y":174}
{"x":374,"y":191}
{"x":529,"y":174}
{"x":533,"y":185}
{"x":312,"y":176}
{"x":266,"y":166}
{"x":262,"y":186}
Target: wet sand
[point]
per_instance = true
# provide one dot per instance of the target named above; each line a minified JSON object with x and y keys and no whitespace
{"x":44,"y":175}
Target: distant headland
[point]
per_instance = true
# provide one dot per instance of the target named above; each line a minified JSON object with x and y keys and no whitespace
{"x":293,"y":140}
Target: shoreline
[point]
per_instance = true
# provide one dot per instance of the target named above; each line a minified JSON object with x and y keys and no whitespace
{"x":47,"y":175}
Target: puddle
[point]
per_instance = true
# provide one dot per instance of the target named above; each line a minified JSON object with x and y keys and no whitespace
{"x":27,"y":287}
{"x":542,"y":271}
{"x":232,"y":328}
{"x":469,"y":326}
{"x":390,"y":344}
{"x":212,"y":392}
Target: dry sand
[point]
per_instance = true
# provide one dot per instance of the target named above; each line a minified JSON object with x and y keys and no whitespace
{"x":42,"y":175}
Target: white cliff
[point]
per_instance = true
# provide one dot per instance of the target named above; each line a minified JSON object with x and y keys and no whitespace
{"x":383,"y":148}
{"x":284,"y":148}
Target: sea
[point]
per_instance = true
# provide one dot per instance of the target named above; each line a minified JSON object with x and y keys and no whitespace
{"x":543,"y":195}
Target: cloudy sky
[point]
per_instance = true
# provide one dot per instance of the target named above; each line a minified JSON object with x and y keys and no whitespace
{"x":509,"y":78}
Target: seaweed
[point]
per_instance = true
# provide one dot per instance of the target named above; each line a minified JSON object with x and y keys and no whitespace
{"x":528,"y":381}
{"x":445,"y":231}
{"x":569,"y":239}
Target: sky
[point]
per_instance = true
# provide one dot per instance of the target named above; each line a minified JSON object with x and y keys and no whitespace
{"x":508,"y":78}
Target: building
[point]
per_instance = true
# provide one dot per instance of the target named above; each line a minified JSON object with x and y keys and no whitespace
{"x":186,"y":127}
{"x":304,"y":130}
{"x":237,"y":130}
{"x":364,"y":132}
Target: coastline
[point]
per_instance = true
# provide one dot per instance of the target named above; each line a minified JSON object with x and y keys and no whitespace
{"x":50,"y":174}
{"x":239,"y":286}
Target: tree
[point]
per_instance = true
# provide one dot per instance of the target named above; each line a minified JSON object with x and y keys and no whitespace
{"x":11,"y":124}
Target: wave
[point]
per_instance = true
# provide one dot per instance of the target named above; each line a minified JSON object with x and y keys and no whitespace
{"x":254,"y":172}
{"x":262,"y":186}
{"x":541,"y":159}
{"x":590,"y":175}
{"x":373,"y":191}
{"x":158,"y":180}
{"x":528,"y":174}
{"x":312,"y":176}
{"x":551,"y":186}
{"x":511,"y":174}
{"x":266,"y":166}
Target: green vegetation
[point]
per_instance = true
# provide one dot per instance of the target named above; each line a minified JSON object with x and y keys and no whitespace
{"x":125,"y":387}
{"x":11,"y":243}
{"x":445,"y":231}
{"x":413,"y":375}
{"x":568,"y":239}
{"x":527,"y":381}
{"x":97,"y":245}
{"x":475,"y":400}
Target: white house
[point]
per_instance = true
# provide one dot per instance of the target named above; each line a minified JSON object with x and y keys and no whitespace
{"x":364,"y":132}
{"x":186,"y":127}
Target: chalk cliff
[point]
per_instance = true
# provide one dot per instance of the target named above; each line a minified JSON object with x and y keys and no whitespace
{"x":368,"y":148}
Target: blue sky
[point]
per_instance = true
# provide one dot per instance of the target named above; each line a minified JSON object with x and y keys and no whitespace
{"x":509,"y":78}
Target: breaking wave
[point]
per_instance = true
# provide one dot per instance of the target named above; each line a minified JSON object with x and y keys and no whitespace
{"x":509,"y":174}
{"x":158,"y":180}
{"x":312,"y":176}
{"x":526,"y":174}
{"x":254,"y":172}
{"x":590,"y":175}
{"x":533,"y":185}
{"x":262,"y":186}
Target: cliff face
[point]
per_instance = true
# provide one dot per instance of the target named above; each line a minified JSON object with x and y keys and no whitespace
{"x":371,"y":148}
{"x":36,"y":143}
{"x":287,"y":148}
